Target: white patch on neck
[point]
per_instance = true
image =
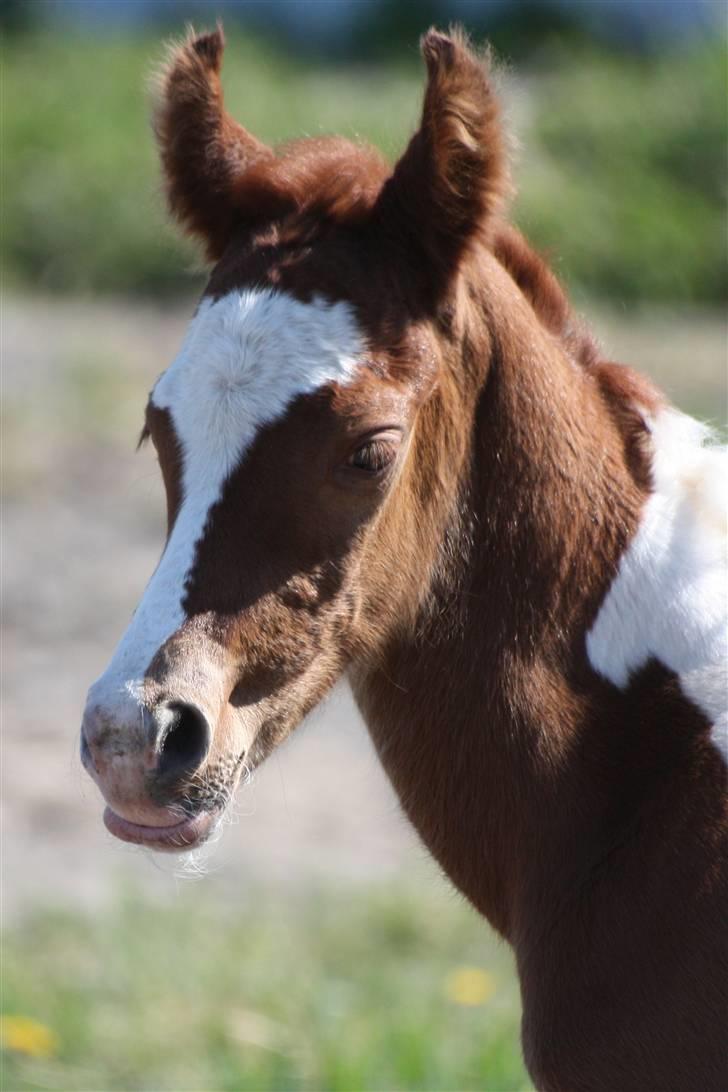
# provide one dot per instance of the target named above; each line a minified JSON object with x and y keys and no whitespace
{"x":245,"y":358}
{"x":669,"y":599}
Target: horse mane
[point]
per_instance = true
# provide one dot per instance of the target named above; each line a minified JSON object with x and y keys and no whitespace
{"x":542,"y":289}
{"x":630,"y":398}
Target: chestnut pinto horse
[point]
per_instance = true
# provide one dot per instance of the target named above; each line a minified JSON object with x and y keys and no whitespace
{"x":390,"y":451}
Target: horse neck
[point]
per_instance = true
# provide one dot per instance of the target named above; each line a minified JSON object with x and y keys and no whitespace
{"x":478,"y":708}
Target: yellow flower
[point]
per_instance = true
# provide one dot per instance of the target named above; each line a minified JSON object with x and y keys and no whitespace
{"x":469,"y":986}
{"x":27,"y":1036}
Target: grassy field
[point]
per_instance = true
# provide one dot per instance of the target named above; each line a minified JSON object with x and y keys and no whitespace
{"x":375,"y":990}
{"x":621,"y":168}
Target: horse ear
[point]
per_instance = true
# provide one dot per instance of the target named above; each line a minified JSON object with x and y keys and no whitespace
{"x":204,"y":151}
{"x":451,"y":181}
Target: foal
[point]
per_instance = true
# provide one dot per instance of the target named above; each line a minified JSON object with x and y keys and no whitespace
{"x":390,"y":451}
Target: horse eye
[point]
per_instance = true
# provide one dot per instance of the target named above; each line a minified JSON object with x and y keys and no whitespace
{"x":372,"y":457}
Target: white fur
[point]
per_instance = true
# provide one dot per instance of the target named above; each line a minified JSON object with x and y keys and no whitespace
{"x":669,"y":599}
{"x":245,"y":358}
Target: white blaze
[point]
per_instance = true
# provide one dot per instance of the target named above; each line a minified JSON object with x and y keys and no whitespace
{"x":669,"y":599}
{"x":245,"y":358}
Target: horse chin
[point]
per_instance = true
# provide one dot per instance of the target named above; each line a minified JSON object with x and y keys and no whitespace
{"x":178,"y":837}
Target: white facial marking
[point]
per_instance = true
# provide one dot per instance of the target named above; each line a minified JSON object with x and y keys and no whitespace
{"x":669,"y":599}
{"x":245,"y":358}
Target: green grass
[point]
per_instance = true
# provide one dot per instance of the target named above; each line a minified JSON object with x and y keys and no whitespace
{"x":334,"y":991}
{"x":622,"y":175}
{"x":627,"y":184}
{"x":83,"y":204}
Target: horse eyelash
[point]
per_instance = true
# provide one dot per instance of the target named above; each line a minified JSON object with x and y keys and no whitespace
{"x":144,"y":435}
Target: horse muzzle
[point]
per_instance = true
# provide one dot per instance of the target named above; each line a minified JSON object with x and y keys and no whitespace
{"x":143,"y":759}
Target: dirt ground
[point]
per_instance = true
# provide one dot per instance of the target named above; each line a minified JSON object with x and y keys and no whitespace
{"x":81,"y":529}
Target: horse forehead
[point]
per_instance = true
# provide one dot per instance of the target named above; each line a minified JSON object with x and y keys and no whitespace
{"x":245,"y":357}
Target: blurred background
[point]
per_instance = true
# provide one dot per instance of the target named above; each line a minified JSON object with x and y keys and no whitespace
{"x":317,"y":947}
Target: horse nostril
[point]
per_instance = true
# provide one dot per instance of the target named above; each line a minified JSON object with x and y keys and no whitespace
{"x":185,"y":742}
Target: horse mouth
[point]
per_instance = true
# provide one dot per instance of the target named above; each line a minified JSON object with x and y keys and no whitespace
{"x":188,"y":833}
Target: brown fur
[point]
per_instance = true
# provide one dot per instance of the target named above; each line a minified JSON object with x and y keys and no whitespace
{"x":543,"y":291}
{"x":588,"y":824}
{"x":446,"y":189}
{"x":203,"y":150}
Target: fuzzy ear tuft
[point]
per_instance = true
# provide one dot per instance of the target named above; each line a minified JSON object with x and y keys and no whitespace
{"x":452,"y":180}
{"x":210,"y":47}
{"x":204,"y":151}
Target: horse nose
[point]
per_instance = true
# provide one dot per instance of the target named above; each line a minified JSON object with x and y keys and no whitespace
{"x":171,"y":740}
